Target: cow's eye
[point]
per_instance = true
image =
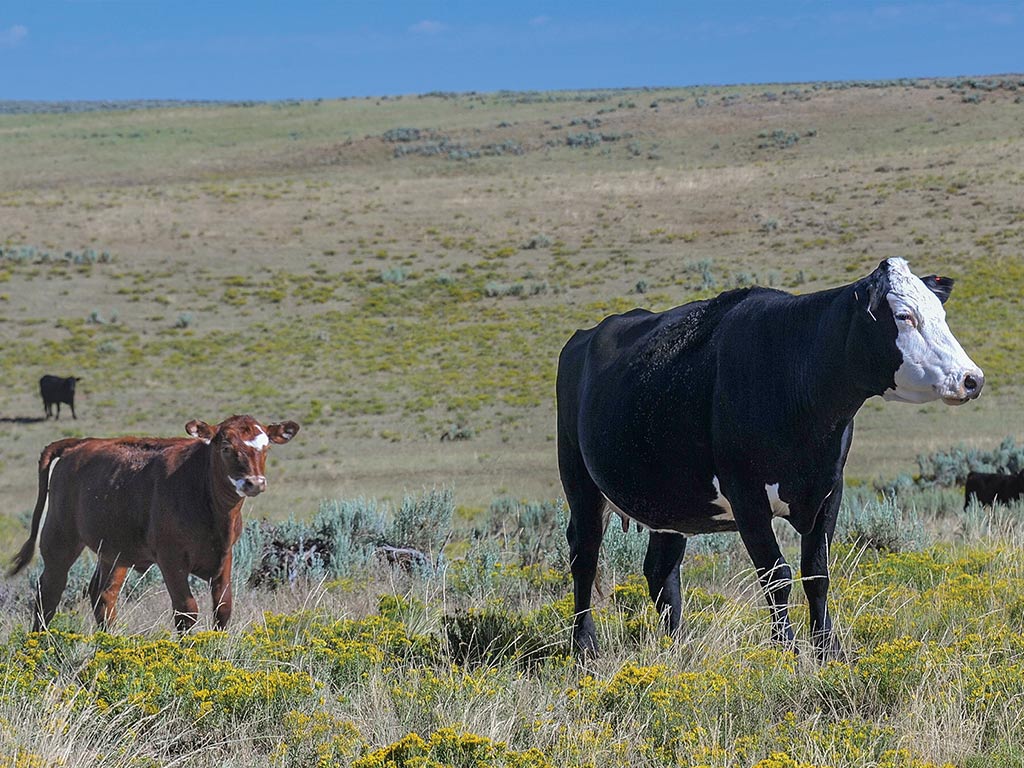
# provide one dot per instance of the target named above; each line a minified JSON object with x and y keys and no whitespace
{"x":906,"y":317}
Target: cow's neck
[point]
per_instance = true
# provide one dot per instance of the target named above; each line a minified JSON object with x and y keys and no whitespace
{"x":826,"y":387}
{"x":223,"y":502}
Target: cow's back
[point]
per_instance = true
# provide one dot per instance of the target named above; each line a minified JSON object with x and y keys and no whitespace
{"x":634,"y":393}
{"x":104,"y":490}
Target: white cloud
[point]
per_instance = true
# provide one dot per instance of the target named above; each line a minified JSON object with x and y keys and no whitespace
{"x":11,"y":36}
{"x":428,"y":27}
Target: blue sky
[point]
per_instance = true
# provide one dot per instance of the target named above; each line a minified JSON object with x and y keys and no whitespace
{"x":225,"y":49}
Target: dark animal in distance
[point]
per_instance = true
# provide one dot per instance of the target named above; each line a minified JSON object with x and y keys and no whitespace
{"x":990,"y":487}
{"x":139,"y":501}
{"x":56,"y":390}
{"x":720,"y":414}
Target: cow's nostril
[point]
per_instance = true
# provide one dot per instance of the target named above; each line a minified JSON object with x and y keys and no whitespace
{"x":970,"y":383}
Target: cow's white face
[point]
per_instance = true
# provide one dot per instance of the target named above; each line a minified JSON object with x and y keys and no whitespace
{"x":934,"y":364}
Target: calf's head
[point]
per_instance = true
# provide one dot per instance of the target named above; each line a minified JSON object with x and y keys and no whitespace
{"x":930,"y":364}
{"x":240,"y":446}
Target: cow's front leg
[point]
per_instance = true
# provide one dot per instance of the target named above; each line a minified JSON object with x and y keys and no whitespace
{"x":753,"y":516}
{"x":661,"y":567}
{"x":186,"y":610}
{"x":814,"y":550}
{"x":220,"y":589}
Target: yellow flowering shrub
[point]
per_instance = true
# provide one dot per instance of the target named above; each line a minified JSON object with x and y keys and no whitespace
{"x":315,"y":739}
{"x":451,"y":748}
{"x":157,"y":674}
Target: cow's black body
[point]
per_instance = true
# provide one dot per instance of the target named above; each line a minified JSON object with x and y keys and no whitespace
{"x":56,"y":390}
{"x":754,"y":387}
{"x":990,"y":487}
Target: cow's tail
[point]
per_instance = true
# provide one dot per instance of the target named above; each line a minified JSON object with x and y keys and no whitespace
{"x":50,"y":454}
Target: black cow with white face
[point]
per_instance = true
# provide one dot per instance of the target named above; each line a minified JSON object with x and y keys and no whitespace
{"x":56,"y":390}
{"x":720,"y":414}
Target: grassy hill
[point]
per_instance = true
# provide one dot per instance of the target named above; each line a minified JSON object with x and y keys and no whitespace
{"x":388,"y":270}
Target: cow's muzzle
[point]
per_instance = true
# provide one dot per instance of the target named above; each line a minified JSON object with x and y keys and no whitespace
{"x":250,"y":485}
{"x":967,"y":387}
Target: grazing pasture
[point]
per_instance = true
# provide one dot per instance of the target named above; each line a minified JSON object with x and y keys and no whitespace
{"x":390,"y":272}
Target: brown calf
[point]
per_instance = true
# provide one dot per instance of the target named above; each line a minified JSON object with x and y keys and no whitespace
{"x":136,"y":501}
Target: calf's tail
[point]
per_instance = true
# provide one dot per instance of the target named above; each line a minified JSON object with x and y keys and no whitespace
{"x":50,"y":453}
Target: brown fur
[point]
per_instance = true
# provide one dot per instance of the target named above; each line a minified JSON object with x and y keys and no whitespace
{"x":139,"y":501}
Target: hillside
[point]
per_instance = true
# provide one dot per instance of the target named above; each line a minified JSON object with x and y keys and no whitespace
{"x":386,"y":271}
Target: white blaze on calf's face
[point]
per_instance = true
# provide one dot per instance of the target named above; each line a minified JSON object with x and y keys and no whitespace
{"x":934,"y":364}
{"x":249,"y":485}
{"x":259,"y":442}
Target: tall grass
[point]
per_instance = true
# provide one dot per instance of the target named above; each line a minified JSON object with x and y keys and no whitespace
{"x":470,"y":663}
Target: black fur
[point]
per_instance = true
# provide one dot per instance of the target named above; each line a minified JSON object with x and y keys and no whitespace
{"x":756,"y":387}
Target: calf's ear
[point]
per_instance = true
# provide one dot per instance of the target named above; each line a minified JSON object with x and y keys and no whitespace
{"x":200,"y":429}
{"x":940,"y":286}
{"x":282,"y":432}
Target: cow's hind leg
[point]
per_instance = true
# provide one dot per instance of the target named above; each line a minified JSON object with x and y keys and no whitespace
{"x":585,"y":531}
{"x":661,"y":567}
{"x":57,"y":561}
{"x":104,"y":589}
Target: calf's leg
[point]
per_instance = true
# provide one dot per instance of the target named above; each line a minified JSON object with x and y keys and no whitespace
{"x":57,"y":561}
{"x":186,"y":610}
{"x":220,"y":589}
{"x":104,"y":589}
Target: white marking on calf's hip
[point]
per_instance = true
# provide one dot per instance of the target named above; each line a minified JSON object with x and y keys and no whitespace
{"x":46,"y":504}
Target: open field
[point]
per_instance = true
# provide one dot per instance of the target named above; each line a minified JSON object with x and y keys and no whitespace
{"x":388,"y":271}
{"x":384,"y":270}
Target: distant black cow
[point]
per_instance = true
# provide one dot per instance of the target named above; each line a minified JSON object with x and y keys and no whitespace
{"x":719,"y":414}
{"x":988,"y":487}
{"x":57,"y":390}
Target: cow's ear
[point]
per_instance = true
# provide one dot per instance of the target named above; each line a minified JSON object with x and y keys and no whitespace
{"x":876,"y":287}
{"x":283,"y":432}
{"x":200,"y":429}
{"x":940,"y":286}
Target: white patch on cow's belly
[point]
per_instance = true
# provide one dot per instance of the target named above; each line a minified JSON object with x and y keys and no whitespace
{"x":778,"y":506}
